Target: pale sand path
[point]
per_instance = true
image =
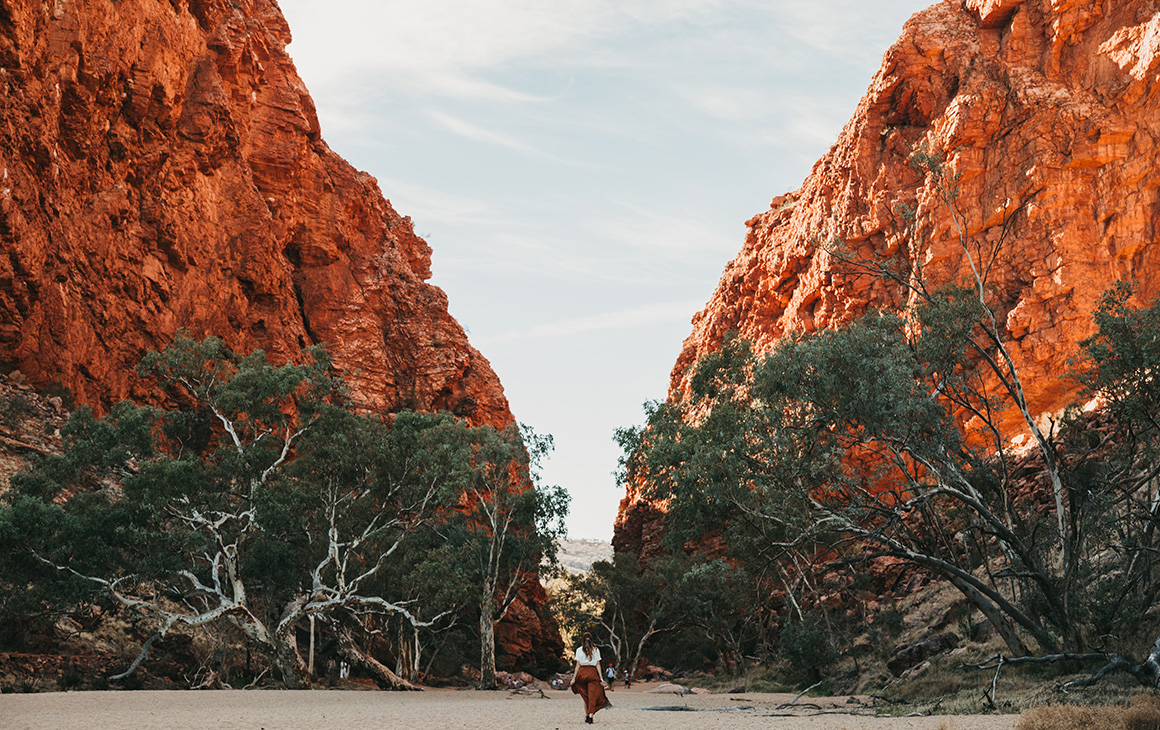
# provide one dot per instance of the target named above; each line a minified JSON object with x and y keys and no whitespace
{"x":430,"y":710}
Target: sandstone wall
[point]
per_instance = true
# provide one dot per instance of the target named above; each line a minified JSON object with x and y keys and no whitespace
{"x":161,"y":168}
{"x":1048,"y":110}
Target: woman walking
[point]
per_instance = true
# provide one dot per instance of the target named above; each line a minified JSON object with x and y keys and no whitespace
{"x":587,"y":679}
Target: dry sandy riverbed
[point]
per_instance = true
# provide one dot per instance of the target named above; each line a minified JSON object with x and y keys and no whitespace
{"x":443,"y":709}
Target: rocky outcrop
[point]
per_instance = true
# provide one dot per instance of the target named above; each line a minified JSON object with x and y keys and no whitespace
{"x":1047,"y":112}
{"x":161,"y":169}
{"x":30,"y":425}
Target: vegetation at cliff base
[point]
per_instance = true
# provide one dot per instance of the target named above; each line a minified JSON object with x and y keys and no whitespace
{"x":811,"y":464}
{"x":260,"y":503}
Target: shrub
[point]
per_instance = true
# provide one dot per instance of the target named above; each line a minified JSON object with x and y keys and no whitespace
{"x":71,"y":679}
{"x":1143,"y":714}
{"x":807,"y":646}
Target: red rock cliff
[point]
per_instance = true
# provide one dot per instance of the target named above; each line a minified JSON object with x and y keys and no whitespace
{"x":161,"y":168}
{"x":1049,"y":112}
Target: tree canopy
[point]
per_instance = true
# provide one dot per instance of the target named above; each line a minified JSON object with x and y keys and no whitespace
{"x":258,"y":499}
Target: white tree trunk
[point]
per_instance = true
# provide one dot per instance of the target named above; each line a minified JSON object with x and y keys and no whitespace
{"x":487,"y":641}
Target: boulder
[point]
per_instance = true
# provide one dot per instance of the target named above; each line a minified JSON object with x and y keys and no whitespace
{"x":906,"y":656}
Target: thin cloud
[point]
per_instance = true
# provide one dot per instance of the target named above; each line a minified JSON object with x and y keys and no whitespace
{"x":445,"y":46}
{"x":470,"y":131}
{"x":729,"y":104}
{"x":667,"y":232}
{"x":653,"y":314}
{"x":426,"y":205}
{"x":467,"y":130}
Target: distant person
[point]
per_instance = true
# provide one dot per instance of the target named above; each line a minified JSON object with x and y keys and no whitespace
{"x":611,"y":674}
{"x":627,"y":679}
{"x":587,"y":679}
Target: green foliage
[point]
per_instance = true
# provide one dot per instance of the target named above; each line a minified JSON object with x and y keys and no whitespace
{"x":627,"y":605}
{"x":808,"y":646}
{"x":1122,"y":358}
{"x":847,"y":444}
{"x":263,"y":500}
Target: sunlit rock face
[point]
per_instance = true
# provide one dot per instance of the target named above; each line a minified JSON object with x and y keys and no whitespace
{"x":161,"y":169}
{"x":1048,"y":113}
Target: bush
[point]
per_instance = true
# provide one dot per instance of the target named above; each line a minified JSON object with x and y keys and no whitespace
{"x":71,"y":679}
{"x":808,"y":646}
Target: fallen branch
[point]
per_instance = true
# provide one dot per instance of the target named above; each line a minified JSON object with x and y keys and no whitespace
{"x":991,"y":694}
{"x":800,"y":695}
{"x":668,"y":708}
{"x":141,"y":656}
{"x":1147,"y":672}
{"x":257,"y":679}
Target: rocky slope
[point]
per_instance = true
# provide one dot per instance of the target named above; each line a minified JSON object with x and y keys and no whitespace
{"x":161,"y":169}
{"x":1048,"y":112}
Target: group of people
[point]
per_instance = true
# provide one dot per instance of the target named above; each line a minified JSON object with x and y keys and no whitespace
{"x":589,"y":681}
{"x":610,"y":672}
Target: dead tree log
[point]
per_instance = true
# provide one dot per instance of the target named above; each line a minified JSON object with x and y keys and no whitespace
{"x":384,"y":677}
{"x":1147,"y":672}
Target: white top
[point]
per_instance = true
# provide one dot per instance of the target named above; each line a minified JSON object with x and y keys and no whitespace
{"x":585,"y":660}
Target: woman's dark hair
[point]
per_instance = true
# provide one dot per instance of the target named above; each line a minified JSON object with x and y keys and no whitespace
{"x":588,"y":646}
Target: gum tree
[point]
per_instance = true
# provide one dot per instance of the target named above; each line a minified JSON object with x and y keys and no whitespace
{"x":506,"y":526}
{"x":254,"y":499}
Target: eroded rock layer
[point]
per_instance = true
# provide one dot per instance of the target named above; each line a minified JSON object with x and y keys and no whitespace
{"x":161,"y":169}
{"x":1048,"y":113}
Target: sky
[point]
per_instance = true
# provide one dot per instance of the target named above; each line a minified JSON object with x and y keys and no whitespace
{"x":583,"y":171}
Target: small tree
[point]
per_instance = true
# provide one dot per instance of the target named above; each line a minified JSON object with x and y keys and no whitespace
{"x":507,"y":525}
{"x":808,"y":645}
{"x":629,"y":603}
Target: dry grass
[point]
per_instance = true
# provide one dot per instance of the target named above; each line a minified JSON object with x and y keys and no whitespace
{"x":1142,"y":714}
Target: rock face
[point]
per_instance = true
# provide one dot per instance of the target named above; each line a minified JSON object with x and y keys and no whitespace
{"x":161,"y":169}
{"x":1048,"y":112}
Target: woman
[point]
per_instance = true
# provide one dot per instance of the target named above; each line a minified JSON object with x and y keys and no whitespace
{"x":587,"y":679}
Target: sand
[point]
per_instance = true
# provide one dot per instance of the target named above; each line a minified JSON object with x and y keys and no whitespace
{"x":441,"y":709}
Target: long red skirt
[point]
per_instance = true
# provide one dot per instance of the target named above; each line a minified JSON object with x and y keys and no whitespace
{"x":589,"y":686}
